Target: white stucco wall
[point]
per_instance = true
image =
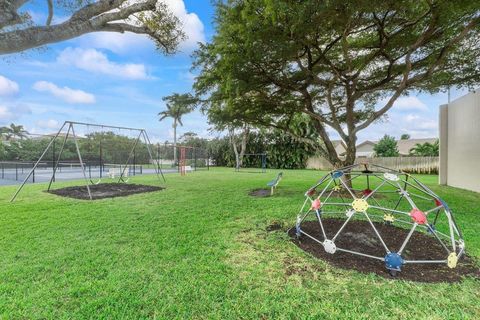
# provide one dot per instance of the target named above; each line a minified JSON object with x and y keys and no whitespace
{"x":460,"y":142}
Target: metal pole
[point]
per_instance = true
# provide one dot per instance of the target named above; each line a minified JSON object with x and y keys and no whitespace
{"x":52,"y":179}
{"x":158,"y":154}
{"x":36,"y":164}
{"x":53,"y":156}
{"x":134,"y":161}
{"x":81,"y":161}
{"x":102,"y":125}
{"x":148,"y":143}
{"x":195,"y":158}
{"x":101,"y":160}
{"x":130,"y":156}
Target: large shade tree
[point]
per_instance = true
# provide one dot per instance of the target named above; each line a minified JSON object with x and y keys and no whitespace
{"x":178,"y":105}
{"x":341,"y":63}
{"x":148,"y":17}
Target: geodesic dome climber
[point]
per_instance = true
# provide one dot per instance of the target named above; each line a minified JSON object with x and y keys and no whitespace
{"x":381,"y":197}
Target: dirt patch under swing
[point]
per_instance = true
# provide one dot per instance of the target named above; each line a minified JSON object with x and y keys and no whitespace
{"x":359,"y":236}
{"x":260,"y":193}
{"x":104,"y":190}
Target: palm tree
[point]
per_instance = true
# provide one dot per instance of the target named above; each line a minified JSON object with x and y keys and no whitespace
{"x":3,"y":132}
{"x":426,"y":149}
{"x":178,"y":105}
{"x":13,"y":131}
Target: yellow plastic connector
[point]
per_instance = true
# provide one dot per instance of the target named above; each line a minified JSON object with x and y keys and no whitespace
{"x":360,"y":205}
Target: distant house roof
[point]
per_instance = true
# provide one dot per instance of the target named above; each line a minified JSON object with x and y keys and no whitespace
{"x":404,"y":146}
{"x":48,"y":136}
{"x":367,"y":142}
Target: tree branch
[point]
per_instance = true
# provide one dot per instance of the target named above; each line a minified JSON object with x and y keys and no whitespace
{"x":96,"y":8}
{"x":50,"y":12}
{"x":8,"y":12}
{"x":406,"y":82}
{"x":92,"y":18}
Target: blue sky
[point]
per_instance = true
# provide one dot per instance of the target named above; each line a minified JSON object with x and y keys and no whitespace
{"x":119,"y":79}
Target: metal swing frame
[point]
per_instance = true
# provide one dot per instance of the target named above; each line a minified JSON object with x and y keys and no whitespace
{"x":263,"y":158}
{"x":70,"y":127}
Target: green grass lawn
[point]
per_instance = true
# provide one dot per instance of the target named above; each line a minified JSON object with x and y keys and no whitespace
{"x":199,"y":249}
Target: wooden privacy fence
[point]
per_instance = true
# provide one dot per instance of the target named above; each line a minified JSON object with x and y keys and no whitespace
{"x":429,"y":165}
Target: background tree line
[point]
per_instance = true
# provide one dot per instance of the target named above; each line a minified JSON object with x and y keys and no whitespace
{"x":283,"y":151}
{"x":104,"y":147}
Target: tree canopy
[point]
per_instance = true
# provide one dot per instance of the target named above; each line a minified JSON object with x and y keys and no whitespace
{"x":342,"y":64}
{"x":386,"y":147}
{"x":149,"y":17}
{"x":426,"y":149}
{"x":178,"y":105}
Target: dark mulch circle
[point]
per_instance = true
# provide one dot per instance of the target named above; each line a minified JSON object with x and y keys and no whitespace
{"x":359,"y":236}
{"x":104,"y":190}
{"x":260,"y":193}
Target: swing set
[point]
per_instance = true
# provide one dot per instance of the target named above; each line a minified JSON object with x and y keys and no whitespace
{"x":122,"y":170}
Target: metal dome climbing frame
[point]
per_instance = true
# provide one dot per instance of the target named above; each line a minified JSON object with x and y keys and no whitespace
{"x":410,"y":204}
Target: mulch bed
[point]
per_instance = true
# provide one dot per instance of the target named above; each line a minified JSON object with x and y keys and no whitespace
{"x":260,"y":193}
{"x":359,"y":236}
{"x":104,"y":190}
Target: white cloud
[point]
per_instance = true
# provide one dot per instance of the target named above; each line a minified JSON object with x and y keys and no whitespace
{"x":122,"y":43}
{"x":5,"y":113}
{"x":409,"y":103}
{"x":97,"y":62}
{"x":411,"y":117}
{"x":13,"y":112}
{"x":427,"y":124}
{"x":420,"y":123}
{"x":119,"y":43}
{"x":8,"y":87}
{"x":48,"y":124}
{"x":191,"y":24}
{"x":66,"y":94}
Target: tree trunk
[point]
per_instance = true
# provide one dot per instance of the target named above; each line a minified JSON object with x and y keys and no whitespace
{"x":334,"y":158}
{"x":349,"y":159}
{"x":175,"y":141}
{"x":231,"y":133}
{"x":243,"y":145}
{"x":243,"y":148}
